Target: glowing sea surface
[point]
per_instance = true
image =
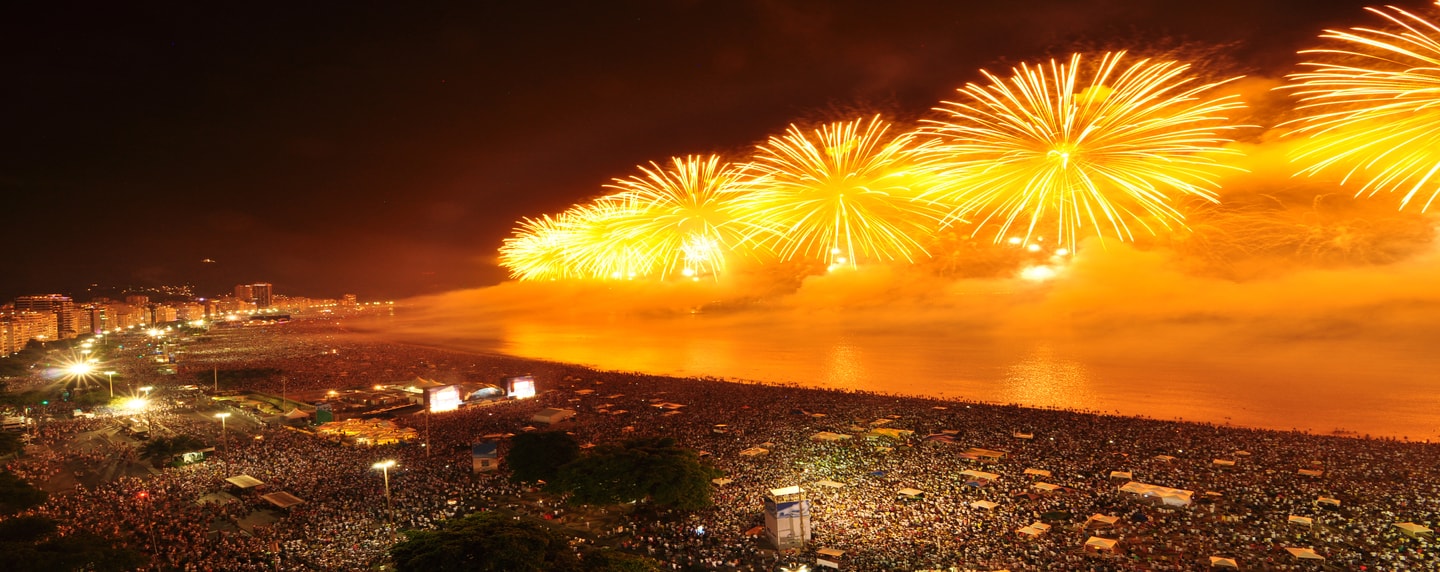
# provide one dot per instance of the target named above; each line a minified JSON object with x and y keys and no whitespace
{"x":1361,"y":386}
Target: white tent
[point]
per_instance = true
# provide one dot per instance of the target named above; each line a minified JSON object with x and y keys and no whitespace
{"x":985,"y":504}
{"x":1095,"y":543}
{"x":1019,"y":435}
{"x":829,"y":557}
{"x":830,"y":483}
{"x":828,"y":436}
{"x":1310,"y":472}
{"x":1223,"y":462}
{"x":1046,"y":487}
{"x":720,"y":482}
{"x":910,"y":493}
{"x":754,"y":452}
{"x":980,"y":475}
{"x":1034,"y":529}
{"x":1172,"y":497}
{"x":1222,"y":562}
{"x":1414,"y":530}
{"x":1121,"y":475}
{"x":283,"y":499}
{"x":551,"y":416}
{"x":1304,"y":553}
{"x":1300,"y":520}
{"x":988,"y":454}
{"x":1327,"y":500}
{"x":1038,"y":472}
{"x":244,"y":481}
{"x":1101,"y":520}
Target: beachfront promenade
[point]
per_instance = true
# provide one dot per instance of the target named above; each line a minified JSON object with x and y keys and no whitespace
{"x":1253,"y":495}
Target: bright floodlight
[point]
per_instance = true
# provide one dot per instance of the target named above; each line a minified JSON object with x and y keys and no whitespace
{"x":222,"y":415}
{"x":154,"y":332}
{"x":383,"y":464}
{"x":109,"y":373}
{"x":79,"y":368}
{"x":135,"y":403}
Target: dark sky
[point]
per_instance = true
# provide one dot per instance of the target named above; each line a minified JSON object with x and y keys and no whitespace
{"x":386,"y":148}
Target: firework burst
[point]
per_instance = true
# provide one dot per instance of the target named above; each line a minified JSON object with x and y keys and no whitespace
{"x":686,"y":214}
{"x":1098,"y":145}
{"x":843,"y":192}
{"x":1372,"y":106}
{"x":600,"y":243}
{"x":538,"y":250}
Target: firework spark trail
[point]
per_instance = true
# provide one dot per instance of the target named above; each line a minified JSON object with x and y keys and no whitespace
{"x":537,"y":251}
{"x":586,"y":241}
{"x":840,"y":193}
{"x":1373,"y":107}
{"x":1102,"y":145}
{"x":599,"y":244}
{"x":686,"y":214}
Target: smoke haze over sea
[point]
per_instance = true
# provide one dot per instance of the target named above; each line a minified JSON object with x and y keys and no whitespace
{"x":1290,"y":304}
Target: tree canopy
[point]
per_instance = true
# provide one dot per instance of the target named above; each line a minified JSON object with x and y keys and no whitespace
{"x":29,"y":545}
{"x":10,"y":443}
{"x":608,"y":560}
{"x":164,"y":448}
{"x":647,"y":468}
{"x":17,"y":495}
{"x":538,"y":456}
{"x":484,"y":542}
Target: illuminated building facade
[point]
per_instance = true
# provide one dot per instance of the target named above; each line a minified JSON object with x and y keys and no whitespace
{"x":17,"y":328}
{"x":261,"y":294}
{"x":190,"y":311}
{"x":62,"y":308}
{"x":163,"y":313}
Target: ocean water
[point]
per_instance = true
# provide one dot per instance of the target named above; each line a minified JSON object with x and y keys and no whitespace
{"x":1355,"y":385}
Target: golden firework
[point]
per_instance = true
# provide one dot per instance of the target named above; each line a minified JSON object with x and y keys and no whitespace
{"x":840,"y":193}
{"x":538,"y":249}
{"x":685,"y":215}
{"x":600,"y":244}
{"x":586,"y":241}
{"x":1081,"y":145}
{"x":1372,"y":106}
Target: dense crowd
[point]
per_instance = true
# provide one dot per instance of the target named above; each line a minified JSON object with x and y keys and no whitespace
{"x":1239,"y":510}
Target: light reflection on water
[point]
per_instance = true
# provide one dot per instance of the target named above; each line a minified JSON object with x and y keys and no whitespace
{"x":1044,"y":379}
{"x":1316,"y":385}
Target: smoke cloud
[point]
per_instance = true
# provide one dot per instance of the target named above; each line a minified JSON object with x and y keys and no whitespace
{"x":1284,"y":305}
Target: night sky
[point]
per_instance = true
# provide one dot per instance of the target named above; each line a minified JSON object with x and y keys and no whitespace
{"x":386,"y":148}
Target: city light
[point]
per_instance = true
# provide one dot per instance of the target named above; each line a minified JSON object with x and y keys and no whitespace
{"x":384,"y":467}
{"x":224,"y":441}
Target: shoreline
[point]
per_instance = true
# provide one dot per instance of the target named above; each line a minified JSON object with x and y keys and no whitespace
{"x":960,"y":400}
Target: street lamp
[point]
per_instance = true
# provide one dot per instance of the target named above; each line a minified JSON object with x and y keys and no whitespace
{"x":111,"y":375}
{"x":146,"y":401}
{"x":384,"y":466}
{"x":225,"y":444}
